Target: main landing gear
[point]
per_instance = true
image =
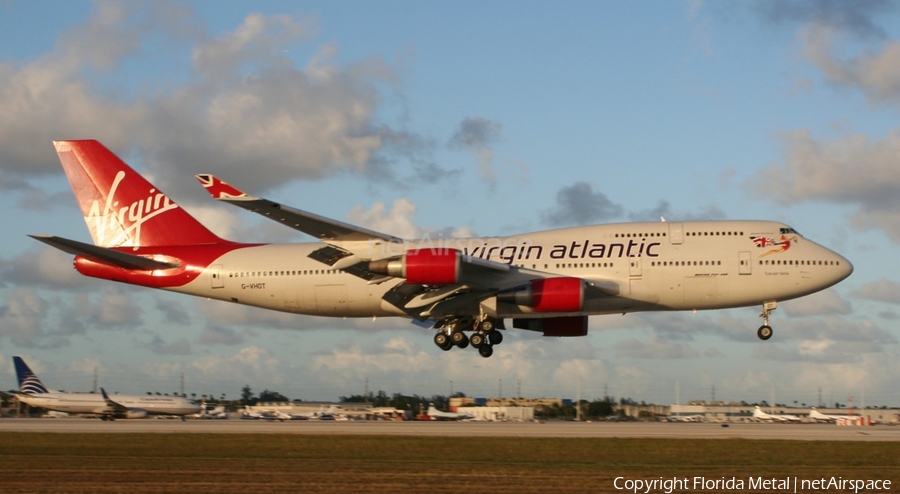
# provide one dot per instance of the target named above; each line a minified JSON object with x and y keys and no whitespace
{"x":765,"y":331}
{"x":484,"y":336}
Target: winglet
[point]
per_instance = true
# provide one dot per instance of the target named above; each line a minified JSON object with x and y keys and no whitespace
{"x":221,"y":190}
{"x":109,"y":402}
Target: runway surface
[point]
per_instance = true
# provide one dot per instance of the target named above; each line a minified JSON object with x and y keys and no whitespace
{"x":801,"y":432}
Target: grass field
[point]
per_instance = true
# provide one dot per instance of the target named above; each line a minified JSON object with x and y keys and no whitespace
{"x":252,"y":463}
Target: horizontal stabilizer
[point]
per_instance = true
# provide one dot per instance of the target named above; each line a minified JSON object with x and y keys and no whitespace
{"x":104,"y":255}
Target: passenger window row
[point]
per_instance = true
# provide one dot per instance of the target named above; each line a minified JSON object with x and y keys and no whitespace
{"x":715,"y":234}
{"x":303,"y":272}
{"x":685,"y":263}
{"x":641,"y":235}
{"x":565,"y":265}
{"x":790,"y":262}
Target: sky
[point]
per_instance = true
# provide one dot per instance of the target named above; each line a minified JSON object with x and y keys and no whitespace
{"x":459,"y":118}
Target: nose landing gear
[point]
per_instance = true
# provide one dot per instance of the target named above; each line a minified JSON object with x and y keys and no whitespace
{"x":765,"y":331}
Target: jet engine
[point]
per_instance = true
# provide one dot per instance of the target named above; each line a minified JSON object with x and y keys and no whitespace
{"x":548,"y":295}
{"x":422,"y":266}
{"x":134,"y":413}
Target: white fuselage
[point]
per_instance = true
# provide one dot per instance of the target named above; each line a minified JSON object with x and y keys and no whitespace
{"x":651,"y":266}
{"x":95,"y":404}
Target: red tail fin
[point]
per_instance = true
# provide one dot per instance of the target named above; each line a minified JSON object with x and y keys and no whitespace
{"x":120,"y":207}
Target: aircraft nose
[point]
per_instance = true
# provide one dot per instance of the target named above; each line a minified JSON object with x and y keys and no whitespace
{"x":845,"y":268}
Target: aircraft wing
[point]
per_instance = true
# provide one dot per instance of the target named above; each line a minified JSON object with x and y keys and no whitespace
{"x":312,"y":224}
{"x":349,"y":246}
{"x":103,"y":254}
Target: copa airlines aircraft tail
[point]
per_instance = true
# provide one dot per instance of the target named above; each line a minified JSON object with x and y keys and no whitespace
{"x":34,"y":393}
{"x":29,"y":383}
{"x":548,"y":281}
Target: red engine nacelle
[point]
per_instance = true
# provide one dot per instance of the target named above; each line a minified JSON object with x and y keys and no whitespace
{"x":548,"y":295}
{"x":557,"y":294}
{"x":422,"y":266}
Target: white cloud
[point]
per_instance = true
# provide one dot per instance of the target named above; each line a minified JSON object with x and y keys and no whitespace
{"x":220,"y":336}
{"x":42,"y":266}
{"x":217,"y":372}
{"x":180,"y":346}
{"x":245,"y":104}
{"x":22,"y":318}
{"x":853,"y":170}
{"x":259,"y":37}
{"x":880,"y":290}
{"x":478,"y":134}
{"x":817,"y":304}
{"x":398,"y":221}
{"x":580,"y":204}
{"x":875,"y":74}
{"x":655,"y":348}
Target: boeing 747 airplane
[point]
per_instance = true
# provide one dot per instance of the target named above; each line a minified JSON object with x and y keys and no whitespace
{"x":33,"y":392}
{"x":548,"y":281}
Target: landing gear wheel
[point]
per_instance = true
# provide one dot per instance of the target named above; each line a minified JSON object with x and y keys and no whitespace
{"x":464,"y":343}
{"x":765,"y":331}
{"x":477,"y":340}
{"x":495,"y":337}
{"x":487,"y":325}
{"x":459,"y":339}
{"x":443,"y":341}
{"x":485,"y":351}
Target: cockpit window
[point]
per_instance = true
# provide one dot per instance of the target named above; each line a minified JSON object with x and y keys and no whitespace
{"x":786,"y":231}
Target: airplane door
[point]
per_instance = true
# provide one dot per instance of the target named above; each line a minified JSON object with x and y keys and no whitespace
{"x":216,"y":276}
{"x":676,"y":233}
{"x":634,"y":266}
{"x":744,"y":263}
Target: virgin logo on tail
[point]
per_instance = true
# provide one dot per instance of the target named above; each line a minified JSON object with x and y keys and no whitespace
{"x":123,"y":224}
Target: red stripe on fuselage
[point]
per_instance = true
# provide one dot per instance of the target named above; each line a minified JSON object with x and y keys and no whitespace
{"x":194,"y":259}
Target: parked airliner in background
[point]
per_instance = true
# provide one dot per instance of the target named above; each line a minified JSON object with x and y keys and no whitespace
{"x":216,"y":413}
{"x":548,"y":281}
{"x":824,"y":417}
{"x":435,"y":414}
{"x":33,"y":392}
{"x":762,"y":416}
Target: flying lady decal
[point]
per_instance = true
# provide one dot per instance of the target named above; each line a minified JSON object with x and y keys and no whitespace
{"x":781,"y":245}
